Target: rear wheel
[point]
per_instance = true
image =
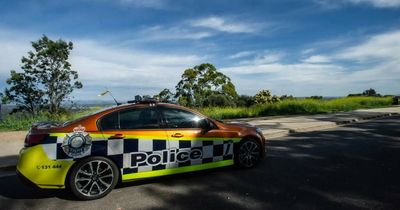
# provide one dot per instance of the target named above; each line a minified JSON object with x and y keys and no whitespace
{"x":248,"y":153}
{"x":93,"y":178}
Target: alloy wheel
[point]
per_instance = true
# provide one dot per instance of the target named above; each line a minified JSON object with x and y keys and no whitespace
{"x":249,"y":154}
{"x":94,"y":178}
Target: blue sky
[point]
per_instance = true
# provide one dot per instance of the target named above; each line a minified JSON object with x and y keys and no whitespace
{"x":302,"y":48}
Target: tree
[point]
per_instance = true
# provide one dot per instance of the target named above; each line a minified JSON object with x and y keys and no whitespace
{"x":245,"y":101}
{"x":218,"y":100}
{"x":286,"y":97}
{"x":370,"y":92}
{"x":315,"y":97}
{"x":24,"y":92}
{"x":165,"y":95}
{"x":202,"y":81}
{"x":48,"y":75}
{"x":265,"y":97}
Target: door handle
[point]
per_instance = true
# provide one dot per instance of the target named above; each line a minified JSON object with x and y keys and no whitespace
{"x":177,"y":135}
{"x":117,"y":136}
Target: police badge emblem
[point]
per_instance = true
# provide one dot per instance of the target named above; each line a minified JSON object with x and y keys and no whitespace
{"x":78,"y":143}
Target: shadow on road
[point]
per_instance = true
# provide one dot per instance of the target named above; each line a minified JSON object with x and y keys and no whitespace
{"x":353,"y":167}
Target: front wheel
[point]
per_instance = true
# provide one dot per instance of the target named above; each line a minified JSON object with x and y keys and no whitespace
{"x":248,"y":153}
{"x":93,"y":178}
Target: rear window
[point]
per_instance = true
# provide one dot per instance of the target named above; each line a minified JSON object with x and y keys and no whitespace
{"x":142,"y":118}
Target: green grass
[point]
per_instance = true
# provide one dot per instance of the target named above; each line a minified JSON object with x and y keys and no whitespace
{"x":298,"y":106}
{"x":22,"y":121}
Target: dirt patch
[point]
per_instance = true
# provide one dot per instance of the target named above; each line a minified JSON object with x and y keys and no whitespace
{"x":11,"y":142}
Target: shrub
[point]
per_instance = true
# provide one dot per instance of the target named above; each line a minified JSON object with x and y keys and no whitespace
{"x":265,"y":97}
{"x":218,"y":100}
{"x":245,"y":101}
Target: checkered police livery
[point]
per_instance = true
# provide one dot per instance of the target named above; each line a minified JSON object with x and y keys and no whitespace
{"x":135,"y":155}
{"x":142,"y":155}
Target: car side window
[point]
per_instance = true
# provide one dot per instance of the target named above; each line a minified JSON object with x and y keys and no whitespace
{"x":143,"y":118}
{"x":177,"y":118}
{"x":110,"y":122}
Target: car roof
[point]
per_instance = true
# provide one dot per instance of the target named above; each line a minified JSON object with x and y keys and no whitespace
{"x":133,"y":105}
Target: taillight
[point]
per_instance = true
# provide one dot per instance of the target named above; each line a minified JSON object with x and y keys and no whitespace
{"x":34,"y":139}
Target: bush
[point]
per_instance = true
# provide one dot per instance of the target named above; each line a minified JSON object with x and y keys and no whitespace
{"x":218,"y":100}
{"x":315,"y":97}
{"x":245,"y":101}
{"x":265,"y":97}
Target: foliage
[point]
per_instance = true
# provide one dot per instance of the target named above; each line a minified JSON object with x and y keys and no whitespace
{"x":24,"y":120}
{"x":355,"y":95}
{"x":218,"y":100}
{"x":265,"y":97}
{"x":200,"y":82}
{"x":286,"y":97}
{"x":24,"y":92}
{"x":370,"y":92}
{"x":245,"y":101}
{"x":165,"y":95}
{"x":47,"y":77}
{"x":297,"y":106}
{"x":315,"y":97}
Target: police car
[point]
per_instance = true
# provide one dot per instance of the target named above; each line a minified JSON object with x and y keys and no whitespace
{"x":131,"y":142}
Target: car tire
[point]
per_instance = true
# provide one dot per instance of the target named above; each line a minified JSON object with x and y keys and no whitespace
{"x":248,"y":153}
{"x":93,"y":178}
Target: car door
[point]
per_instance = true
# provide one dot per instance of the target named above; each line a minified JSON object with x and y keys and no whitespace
{"x":193,"y":141}
{"x":135,"y":140}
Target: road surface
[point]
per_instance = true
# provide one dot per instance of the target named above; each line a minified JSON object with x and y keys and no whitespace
{"x":356,"y":166}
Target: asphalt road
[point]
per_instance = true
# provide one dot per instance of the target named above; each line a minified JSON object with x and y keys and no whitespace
{"x":352,"y":167}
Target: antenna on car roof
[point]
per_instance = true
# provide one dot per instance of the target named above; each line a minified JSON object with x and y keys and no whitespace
{"x":109,"y":92}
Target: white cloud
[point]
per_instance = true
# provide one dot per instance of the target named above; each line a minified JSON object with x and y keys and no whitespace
{"x":224,"y":25}
{"x":382,"y":46}
{"x":334,"y":4}
{"x":127,"y":71}
{"x":154,"y":4}
{"x":156,"y":33}
{"x":263,"y":58}
{"x":241,"y":54}
{"x":307,"y":51}
{"x":14,"y":46}
{"x":378,"y":3}
{"x":317,"y":59}
{"x":133,"y":71}
{"x":325,"y":74}
{"x":130,"y":71}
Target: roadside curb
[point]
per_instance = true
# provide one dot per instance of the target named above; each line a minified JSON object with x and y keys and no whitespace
{"x":283,"y":133}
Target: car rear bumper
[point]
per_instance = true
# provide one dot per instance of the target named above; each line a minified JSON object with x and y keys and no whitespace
{"x":35,"y":168}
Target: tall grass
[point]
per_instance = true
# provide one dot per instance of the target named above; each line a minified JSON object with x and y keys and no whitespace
{"x":298,"y":106}
{"x":23,"y":121}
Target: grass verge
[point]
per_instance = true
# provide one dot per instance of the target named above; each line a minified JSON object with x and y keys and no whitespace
{"x":22,"y":121}
{"x":298,"y":106}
